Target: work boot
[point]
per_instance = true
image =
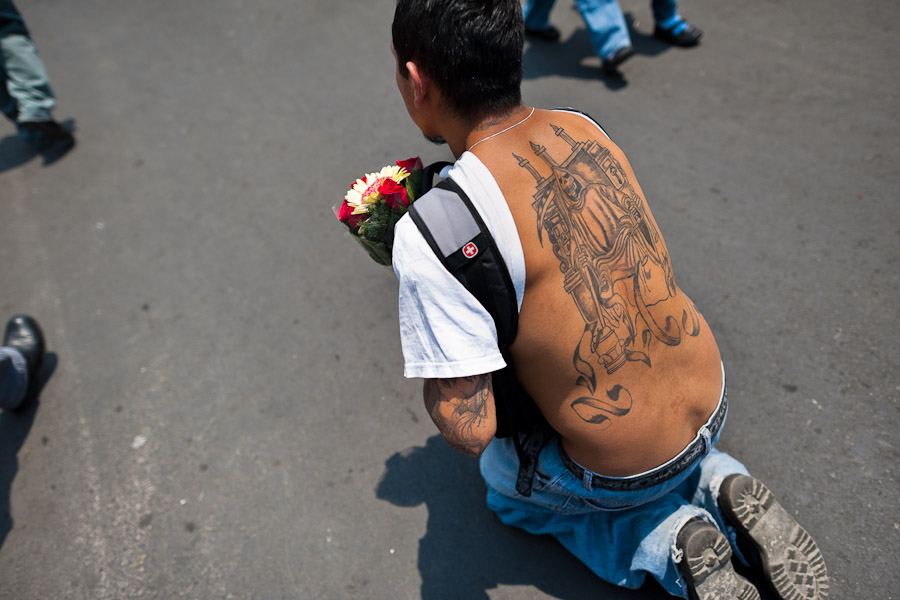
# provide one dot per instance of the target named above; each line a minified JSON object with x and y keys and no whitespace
{"x":706,"y":564}
{"x":789,"y":557}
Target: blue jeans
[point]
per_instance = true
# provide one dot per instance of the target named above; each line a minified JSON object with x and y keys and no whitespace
{"x":25,"y":94}
{"x":620,"y":535}
{"x":13,"y":377}
{"x":604,"y":20}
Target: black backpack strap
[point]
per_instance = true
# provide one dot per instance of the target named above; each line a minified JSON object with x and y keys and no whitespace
{"x":523,"y":421}
{"x":451,"y":225}
{"x":429,"y":172}
{"x":457,"y":234}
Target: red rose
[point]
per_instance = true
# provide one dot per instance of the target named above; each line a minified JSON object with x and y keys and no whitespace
{"x":411,"y":163}
{"x":393,"y":193}
{"x":343,"y":214}
{"x":355,"y":220}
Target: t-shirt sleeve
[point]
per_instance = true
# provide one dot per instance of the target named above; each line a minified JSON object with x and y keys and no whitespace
{"x":444,"y":330}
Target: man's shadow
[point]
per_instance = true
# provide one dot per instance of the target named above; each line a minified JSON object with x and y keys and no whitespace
{"x":15,"y":152}
{"x":567,"y":57}
{"x":466,"y":550}
{"x":14,"y":428}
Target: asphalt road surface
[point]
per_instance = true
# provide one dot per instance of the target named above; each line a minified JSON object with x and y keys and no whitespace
{"x":224,"y":413}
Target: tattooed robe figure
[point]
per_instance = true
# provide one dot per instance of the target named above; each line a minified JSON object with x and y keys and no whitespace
{"x":607,"y":251}
{"x":592,"y":258}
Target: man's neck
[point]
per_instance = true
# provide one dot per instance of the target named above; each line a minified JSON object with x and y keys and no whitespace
{"x":495,"y":124}
{"x":461,"y":135}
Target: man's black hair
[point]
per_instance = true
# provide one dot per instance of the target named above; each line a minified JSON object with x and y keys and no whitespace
{"x":471,"y":49}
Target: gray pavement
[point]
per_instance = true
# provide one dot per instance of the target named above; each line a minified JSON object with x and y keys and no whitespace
{"x":224,"y":414}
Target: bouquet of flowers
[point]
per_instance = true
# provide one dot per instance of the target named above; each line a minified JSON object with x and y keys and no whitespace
{"x":376,"y":202}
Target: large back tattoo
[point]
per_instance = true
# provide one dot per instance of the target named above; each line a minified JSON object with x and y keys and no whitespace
{"x":614,"y":265}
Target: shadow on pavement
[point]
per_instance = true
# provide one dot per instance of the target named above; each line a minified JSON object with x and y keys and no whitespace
{"x":562,"y":59}
{"x":15,"y":152}
{"x":466,"y":550}
{"x":566,"y":58}
{"x":14,"y":428}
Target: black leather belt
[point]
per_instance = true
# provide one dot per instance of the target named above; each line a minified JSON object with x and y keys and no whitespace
{"x":700,"y":446}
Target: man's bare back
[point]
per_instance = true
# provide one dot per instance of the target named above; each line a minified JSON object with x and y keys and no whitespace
{"x":625,"y":368}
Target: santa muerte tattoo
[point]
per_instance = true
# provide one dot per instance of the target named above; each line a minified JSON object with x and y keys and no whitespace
{"x":614,"y":266}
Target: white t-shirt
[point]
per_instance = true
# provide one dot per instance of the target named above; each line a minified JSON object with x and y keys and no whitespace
{"x":444,"y":330}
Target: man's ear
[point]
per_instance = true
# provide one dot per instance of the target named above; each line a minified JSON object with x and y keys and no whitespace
{"x":420,"y":83}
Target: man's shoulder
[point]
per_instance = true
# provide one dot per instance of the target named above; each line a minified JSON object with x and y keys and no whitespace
{"x":580,"y":117}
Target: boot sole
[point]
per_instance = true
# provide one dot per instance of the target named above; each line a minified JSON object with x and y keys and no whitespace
{"x":707,"y":568}
{"x":791,"y":560}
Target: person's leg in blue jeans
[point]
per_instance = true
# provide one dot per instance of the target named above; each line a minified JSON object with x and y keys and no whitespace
{"x":606,"y":24}
{"x":537,"y":20}
{"x":608,"y":29}
{"x":665,"y":12}
{"x":11,"y":23}
{"x":26,"y":80}
{"x":671,"y":27}
{"x":604,"y":20}
{"x":537,"y":13}
{"x":26,"y":98}
{"x":621,"y":546}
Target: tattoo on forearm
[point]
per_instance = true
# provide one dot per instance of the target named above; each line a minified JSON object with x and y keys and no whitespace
{"x":459,"y":407}
{"x":615,"y":267}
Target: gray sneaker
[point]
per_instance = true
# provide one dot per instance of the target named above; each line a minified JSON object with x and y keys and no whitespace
{"x":791,"y":560}
{"x":706,"y":565}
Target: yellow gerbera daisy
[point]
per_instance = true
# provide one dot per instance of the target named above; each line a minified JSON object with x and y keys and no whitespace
{"x":365,"y":190}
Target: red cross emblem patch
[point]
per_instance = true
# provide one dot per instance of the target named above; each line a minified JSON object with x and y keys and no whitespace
{"x":470,"y":250}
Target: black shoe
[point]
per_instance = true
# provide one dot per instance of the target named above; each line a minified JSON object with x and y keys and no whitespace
{"x":791,"y":560}
{"x":688,"y":36}
{"x":25,"y":335}
{"x":42,"y":133}
{"x":547,"y":34}
{"x":706,"y":564}
{"x":611,"y":64}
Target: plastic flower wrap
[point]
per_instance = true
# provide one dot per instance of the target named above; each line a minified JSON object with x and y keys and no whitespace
{"x":376,"y":202}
